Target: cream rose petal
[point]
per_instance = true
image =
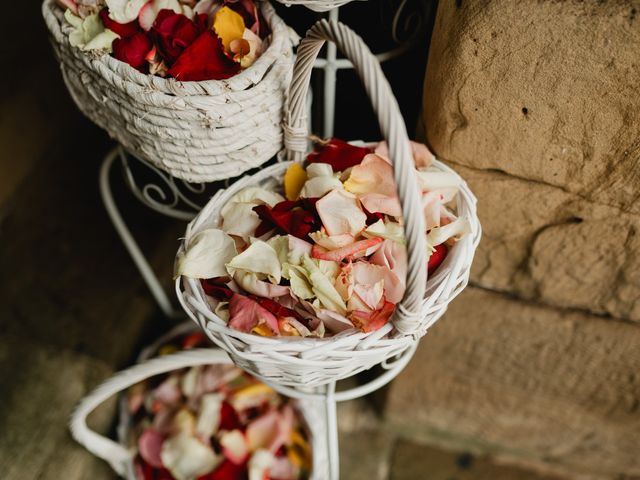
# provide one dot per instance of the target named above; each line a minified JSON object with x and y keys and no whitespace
{"x":259,"y":258}
{"x":238,"y":217}
{"x":187,"y":457}
{"x":124,"y":11}
{"x":297,"y":249}
{"x":250,"y":283}
{"x":340,"y":213}
{"x":260,"y":464}
{"x":456,"y":229}
{"x":323,"y":287}
{"x":320,"y":181}
{"x":385,"y":229}
{"x":89,"y":33}
{"x":205,"y":255}
{"x":209,"y":414}
{"x":332,"y":242}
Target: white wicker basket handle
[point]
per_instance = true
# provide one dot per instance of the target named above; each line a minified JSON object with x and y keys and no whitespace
{"x":114,"y":453}
{"x":407,"y":318}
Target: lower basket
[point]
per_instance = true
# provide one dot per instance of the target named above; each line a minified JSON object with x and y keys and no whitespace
{"x":122,"y":459}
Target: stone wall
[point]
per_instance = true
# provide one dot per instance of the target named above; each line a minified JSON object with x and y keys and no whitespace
{"x":536,"y":104}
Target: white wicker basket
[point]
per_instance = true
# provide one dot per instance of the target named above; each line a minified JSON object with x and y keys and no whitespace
{"x":317,"y":5}
{"x":196,"y":131}
{"x":312,"y":361}
{"x":121,"y":458}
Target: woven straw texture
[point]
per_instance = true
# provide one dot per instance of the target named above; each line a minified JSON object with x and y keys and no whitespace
{"x":195,"y":131}
{"x":310,"y":361}
{"x":317,"y":5}
{"x":120,"y":457}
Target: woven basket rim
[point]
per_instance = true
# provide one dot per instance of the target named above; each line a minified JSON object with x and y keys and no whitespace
{"x":215,"y":204}
{"x":280,"y":33}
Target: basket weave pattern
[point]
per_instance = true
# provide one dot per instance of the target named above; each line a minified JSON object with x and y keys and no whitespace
{"x":195,"y":131}
{"x":308,"y":361}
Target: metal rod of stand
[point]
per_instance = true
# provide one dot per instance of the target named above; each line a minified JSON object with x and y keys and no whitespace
{"x":129,"y":242}
{"x":333,"y":442}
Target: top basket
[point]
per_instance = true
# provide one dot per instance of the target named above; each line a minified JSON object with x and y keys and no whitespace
{"x":196,"y":131}
{"x":312,"y":361}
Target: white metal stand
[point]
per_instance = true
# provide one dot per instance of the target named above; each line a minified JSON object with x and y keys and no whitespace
{"x":172,"y":198}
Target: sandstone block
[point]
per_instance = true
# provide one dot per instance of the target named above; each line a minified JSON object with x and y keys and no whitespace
{"x":547,"y":387}
{"x":545,"y":244}
{"x":542,"y":90}
{"x":40,"y":387}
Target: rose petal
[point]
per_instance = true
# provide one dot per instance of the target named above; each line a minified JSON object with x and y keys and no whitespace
{"x":228,"y":25}
{"x":209,"y":415}
{"x":260,"y":464}
{"x":124,"y":11}
{"x":422,"y":157}
{"x":150,"y":446}
{"x":204,"y":59}
{"x":294,"y":179}
{"x":234,"y":446}
{"x":149,"y":12}
{"x":206,"y":255}
{"x":121,"y":29}
{"x":369,"y":274}
{"x":437,"y":257}
{"x":133,"y":50}
{"x":187,"y":458}
{"x":354,"y":250}
{"x":260,"y":258}
{"x":340,"y":213}
{"x":386,"y":229}
{"x":332,"y":242}
{"x":246,"y":314}
{"x":338,"y":153}
{"x":370,"y":322}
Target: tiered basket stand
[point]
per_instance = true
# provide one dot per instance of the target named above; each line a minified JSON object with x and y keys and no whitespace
{"x":175,"y":198}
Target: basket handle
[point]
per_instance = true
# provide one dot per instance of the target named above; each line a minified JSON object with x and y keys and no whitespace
{"x":115,"y":454}
{"x":407,"y":317}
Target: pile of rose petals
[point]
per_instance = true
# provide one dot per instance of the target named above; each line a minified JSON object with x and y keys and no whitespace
{"x":190,"y":40}
{"x":328,"y":252}
{"x":214,"y":423}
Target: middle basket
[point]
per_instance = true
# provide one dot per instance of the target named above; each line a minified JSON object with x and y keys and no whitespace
{"x":308,"y":362}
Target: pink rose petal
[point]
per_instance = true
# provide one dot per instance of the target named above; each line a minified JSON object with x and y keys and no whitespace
{"x":150,"y":446}
{"x":247,"y":314}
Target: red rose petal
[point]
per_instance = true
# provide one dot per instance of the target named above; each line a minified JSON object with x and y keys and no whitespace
{"x":173,"y":33}
{"x":122,"y":29}
{"x":133,"y":50}
{"x":437,"y":258}
{"x":215,"y":288}
{"x":275,"y":308}
{"x":298,"y":218}
{"x":204,"y":59}
{"x":339,"y":154}
{"x":229,"y":419}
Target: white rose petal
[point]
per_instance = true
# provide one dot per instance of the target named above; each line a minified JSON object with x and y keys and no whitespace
{"x":205,"y":255}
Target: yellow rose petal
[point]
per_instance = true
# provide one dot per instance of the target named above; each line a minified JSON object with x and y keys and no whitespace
{"x":229,"y":26}
{"x":262,"y":330}
{"x":294,"y":180}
